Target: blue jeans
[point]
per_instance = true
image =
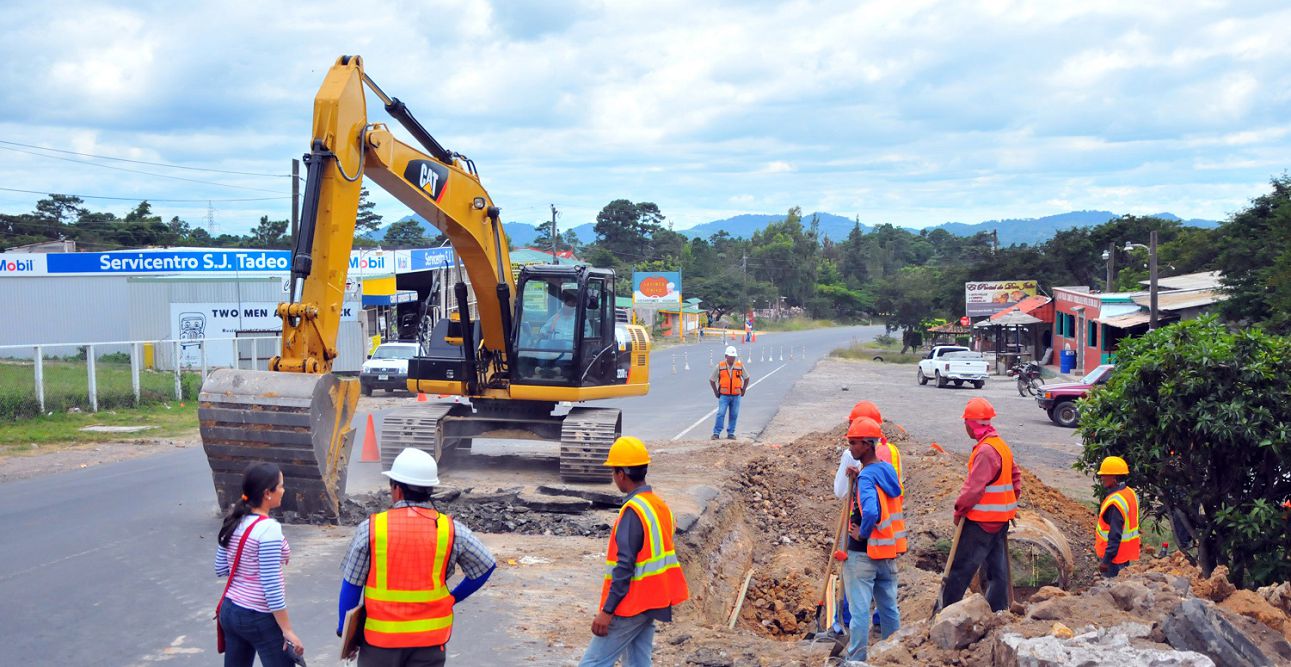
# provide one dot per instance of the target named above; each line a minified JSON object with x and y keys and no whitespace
{"x":727,"y":402}
{"x":247,"y":633}
{"x":866,"y":580}
{"x":630,"y":636}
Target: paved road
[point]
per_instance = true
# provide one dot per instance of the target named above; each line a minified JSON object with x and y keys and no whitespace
{"x":112,"y":565}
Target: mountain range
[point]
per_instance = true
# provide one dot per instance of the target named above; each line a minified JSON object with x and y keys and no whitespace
{"x":1014,"y":231}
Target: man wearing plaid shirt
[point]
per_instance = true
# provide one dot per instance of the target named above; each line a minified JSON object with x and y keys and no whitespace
{"x":412,"y":476}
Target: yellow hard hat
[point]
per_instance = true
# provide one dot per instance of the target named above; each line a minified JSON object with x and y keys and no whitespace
{"x":626,"y":452}
{"x":1114,"y":465}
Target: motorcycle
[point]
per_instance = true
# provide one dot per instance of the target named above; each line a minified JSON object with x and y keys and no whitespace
{"x":1028,"y":377}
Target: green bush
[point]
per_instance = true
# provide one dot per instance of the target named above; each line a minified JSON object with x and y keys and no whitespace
{"x":1200,"y":413}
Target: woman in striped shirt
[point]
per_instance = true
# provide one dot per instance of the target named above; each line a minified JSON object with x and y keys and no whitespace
{"x":253,"y":613}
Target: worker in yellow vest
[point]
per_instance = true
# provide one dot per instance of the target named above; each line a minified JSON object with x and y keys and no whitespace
{"x":643,"y":579}
{"x":986,"y":503}
{"x":870,"y":571}
{"x":400,"y":561}
{"x":1116,"y":538}
{"x":885,"y":451}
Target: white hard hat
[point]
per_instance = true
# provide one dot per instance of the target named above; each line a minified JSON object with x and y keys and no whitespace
{"x":730,"y":351}
{"x":414,"y":467}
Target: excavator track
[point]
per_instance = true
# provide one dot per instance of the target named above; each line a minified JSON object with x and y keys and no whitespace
{"x":585,"y":439}
{"x":419,"y":427}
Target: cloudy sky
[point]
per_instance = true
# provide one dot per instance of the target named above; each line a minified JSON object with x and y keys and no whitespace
{"x":910,"y":112}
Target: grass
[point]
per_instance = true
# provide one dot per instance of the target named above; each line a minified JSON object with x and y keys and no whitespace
{"x":793,"y":324}
{"x":872,"y":352}
{"x":67,"y":386}
{"x":166,"y":419}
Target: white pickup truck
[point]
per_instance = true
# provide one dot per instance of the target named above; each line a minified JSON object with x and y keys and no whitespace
{"x":952,"y":363}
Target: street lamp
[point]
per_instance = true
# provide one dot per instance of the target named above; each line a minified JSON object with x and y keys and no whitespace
{"x":1152,"y":271}
{"x":1109,"y":256}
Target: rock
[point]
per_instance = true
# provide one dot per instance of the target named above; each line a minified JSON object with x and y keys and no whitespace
{"x":1131,"y":595}
{"x":499,"y":496}
{"x":961,"y":623}
{"x":1053,"y":610}
{"x":1197,"y":625}
{"x":445,"y":494}
{"x":1278,"y":595}
{"x":556,"y":504}
{"x":1048,"y":593}
{"x":598,"y":498}
{"x":896,"y":647}
{"x":679,"y":640}
{"x":710,"y":657}
{"x":1251,"y":605}
{"x":686,"y":521}
{"x":1216,"y":588}
{"x":1014,"y":649}
{"x":1060,"y":631}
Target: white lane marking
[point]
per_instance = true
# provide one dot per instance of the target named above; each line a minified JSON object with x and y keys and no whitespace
{"x":712,"y":412}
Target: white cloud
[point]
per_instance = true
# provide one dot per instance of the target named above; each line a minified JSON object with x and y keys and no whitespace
{"x":914,"y":113}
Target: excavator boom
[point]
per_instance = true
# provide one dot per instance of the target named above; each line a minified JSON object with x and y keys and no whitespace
{"x":298,"y":414}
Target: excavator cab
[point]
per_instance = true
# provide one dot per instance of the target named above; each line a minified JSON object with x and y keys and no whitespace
{"x":565,"y":333}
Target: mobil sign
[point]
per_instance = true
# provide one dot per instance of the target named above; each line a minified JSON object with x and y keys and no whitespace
{"x":21,"y":264}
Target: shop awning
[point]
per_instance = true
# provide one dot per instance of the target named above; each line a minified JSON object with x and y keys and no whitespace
{"x":1127,"y":321}
{"x":400,"y":296}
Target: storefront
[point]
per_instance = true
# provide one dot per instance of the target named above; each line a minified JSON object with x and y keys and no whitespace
{"x":1092,"y":325}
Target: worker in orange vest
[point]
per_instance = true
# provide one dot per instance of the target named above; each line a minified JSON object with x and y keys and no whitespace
{"x":400,"y":560}
{"x":1116,"y":537}
{"x":849,"y":466}
{"x":643,"y":579}
{"x":870,"y":571}
{"x":986,"y":504}
{"x":729,"y":382}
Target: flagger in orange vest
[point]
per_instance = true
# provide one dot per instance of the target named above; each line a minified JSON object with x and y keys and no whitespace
{"x":643,"y":579}
{"x":870,"y":571}
{"x":400,"y":561}
{"x":986,"y":504}
{"x":1116,"y":535}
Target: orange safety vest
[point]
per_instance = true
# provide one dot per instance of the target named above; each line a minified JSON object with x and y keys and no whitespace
{"x":1000,"y":502}
{"x":882,"y":541}
{"x":406,"y":597}
{"x":730,"y":381}
{"x":657,"y":580}
{"x":896,"y":505}
{"x":1127,"y":501}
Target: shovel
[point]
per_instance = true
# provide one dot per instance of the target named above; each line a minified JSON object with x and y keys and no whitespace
{"x":945,"y":573}
{"x":822,"y":624}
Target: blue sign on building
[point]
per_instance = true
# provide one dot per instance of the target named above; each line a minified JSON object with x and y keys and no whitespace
{"x":432,"y":258}
{"x":216,"y":261}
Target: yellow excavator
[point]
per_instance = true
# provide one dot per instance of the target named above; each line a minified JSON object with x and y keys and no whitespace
{"x":529,"y":353}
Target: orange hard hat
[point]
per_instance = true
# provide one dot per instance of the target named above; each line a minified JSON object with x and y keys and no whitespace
{"x":865,"y":409}
{"x":864,"y":427}
{"x":979,"y":409}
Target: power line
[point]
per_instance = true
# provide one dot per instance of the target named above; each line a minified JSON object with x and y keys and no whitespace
{"x":147,"y":199}
{"x":133,"y":171}
{"x":154,"y":164}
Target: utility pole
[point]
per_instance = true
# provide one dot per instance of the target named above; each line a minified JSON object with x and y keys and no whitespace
{"x":553,"y":235}
{"x":1152,"y":288}
{"x":995,"y":241}
{"x":744,"y":283}
{"x":1111,"y":266}
{"x":295,"y":197}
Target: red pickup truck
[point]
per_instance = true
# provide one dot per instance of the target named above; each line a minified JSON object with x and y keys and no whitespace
{"x":1059,"y":400}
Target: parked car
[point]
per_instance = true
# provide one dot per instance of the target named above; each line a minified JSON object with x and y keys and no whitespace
{"x":1059,"y":400}
{"x":952,"y":363}
{"x":387,"y":368}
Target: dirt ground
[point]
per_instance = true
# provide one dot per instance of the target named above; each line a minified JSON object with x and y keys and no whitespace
{"x":762,"y":510}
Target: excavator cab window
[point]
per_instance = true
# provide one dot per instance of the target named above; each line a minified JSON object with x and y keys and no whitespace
{"x":565,"y":328}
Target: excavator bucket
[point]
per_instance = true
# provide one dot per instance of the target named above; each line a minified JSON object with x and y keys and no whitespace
{"x":300,"y":422}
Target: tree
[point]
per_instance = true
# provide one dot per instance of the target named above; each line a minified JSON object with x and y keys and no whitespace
{"x":1199,"y":413}
{"x":269,"y":233}
{"x":368,"y":220}
{"x":1256,"y":260}
{"x":405,"y":234}
{"x":61,"y":209}
{"x":625,"y":229}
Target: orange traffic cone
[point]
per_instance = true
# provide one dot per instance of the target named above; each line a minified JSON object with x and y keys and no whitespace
{"x":371,"y":452}
{"x":421,"y":398}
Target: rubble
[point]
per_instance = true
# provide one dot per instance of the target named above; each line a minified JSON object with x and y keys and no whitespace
{"x":604,"y":499}
{"x":1201,"y":626}
{"x":961,"y":623}
{"x":1089,"y":649}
